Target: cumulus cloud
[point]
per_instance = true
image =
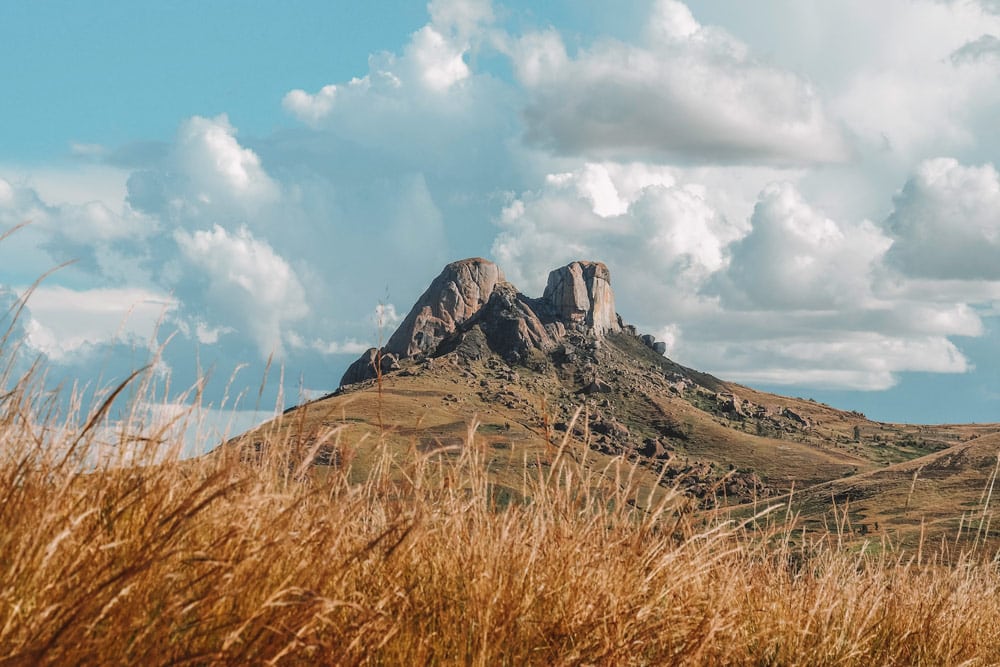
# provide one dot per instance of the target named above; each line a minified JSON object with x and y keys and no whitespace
{"x":864,"y":361}
{"x":796,"y":258}
{"x":625,"y":215}
{"x":439,"y":63}
{"x":434,"y":60}
{"x":690,"y":93}
{"x":62,"y":321}
{"x":981,"y":48}
{"x":218,"y":166}
{"x":788,"y":296}
{"x":248,"y":283}
{"x":311,"y":108}
{"x":97,"y":238}
{"x":206,"y":174}
{"x":920,"y":80}
{"x":946,"y":222}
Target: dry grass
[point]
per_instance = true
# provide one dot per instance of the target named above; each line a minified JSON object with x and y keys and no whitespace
{"x":219,"y":560}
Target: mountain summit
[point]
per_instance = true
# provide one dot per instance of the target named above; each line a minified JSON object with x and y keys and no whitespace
{"x":471,"y":302}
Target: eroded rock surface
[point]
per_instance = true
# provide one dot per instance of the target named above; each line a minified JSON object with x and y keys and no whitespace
{"x":580,"y":294}
{"x":457,"y":294}
{"x":365,"y":367}
{"x":470,"y":307}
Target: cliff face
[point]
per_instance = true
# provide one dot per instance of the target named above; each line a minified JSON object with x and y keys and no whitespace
{"x":473,"y":293}
{"x":457,"y":294}
{"x":580,"y":293}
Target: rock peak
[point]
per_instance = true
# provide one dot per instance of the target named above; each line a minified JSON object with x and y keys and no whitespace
{"x":459,"y":291}
{"x":474,"y":294}
{"x":581,"y":295}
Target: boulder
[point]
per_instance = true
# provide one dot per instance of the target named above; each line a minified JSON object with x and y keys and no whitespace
{"x":512,"y":327}
{"x":364,"y":368}
{"x":732,"y":404}
{"x":597,"y":386}
{"x":580,"y":295}
{"x":654,"y":448}
{"x":660,"y":347}
{"x":796,"y":417}
{"x":611,"y":428}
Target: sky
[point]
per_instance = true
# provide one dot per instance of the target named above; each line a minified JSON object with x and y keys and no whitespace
{"x":798,"y":195}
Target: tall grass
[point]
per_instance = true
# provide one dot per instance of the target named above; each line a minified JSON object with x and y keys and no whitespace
{"x":259,"y":559}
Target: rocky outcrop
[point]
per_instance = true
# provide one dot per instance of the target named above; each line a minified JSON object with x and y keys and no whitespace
{"x":470,"y":307}
{"x":364,"y":368}
{"x":580,"y":294}
{"x":457,"y":294}
{"x":513,"y":327}
{"x":656,"y":346}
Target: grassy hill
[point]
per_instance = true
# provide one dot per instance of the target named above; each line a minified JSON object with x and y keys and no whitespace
{"x":719,"y":444}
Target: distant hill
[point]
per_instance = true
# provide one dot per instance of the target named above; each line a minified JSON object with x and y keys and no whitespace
{"x":474,"y":350}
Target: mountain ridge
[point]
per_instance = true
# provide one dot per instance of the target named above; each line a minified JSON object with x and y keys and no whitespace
{"x":474,"y":350}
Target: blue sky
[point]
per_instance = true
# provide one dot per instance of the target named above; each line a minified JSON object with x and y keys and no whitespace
{"x":801,"y":196}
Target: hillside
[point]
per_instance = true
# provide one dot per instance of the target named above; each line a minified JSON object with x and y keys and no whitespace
{"x":475,"y":351}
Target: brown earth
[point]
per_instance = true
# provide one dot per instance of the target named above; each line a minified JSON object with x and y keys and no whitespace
{"x":559,"y":376}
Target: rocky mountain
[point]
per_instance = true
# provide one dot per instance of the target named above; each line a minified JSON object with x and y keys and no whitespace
{"x":471,"y":297}
{"x":475,"y":350}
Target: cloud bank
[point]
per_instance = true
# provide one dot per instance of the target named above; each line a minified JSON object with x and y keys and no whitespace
{"x":790,"y":214}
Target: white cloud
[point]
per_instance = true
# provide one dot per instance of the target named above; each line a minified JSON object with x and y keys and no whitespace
{"x":218,"y":166}
{"x":434,"y":60}
{"x":790,"y":296}
{"x":385,"y":315}
{"x":982,"y":48}
{"x":652,"y":232}
{"x":247,"y":282}
{"x":796,"y":258}
{"x":537,"y":56}
{"x":311,"y":108}
{"x":6,"y":193}
{"x":328,"y":347}
{"x":865,"y":361}
{"x":946,"y":222}
{"x":63,"y":320}
{"x":209,"y":335}
{"x":439,"y":62}
{"x":91,"y":234}
{"x":672,"y":21}
{"x":201,"y":331}
{"x":916,"y":83}
{"x":692,"y":93}
{"x":59,"y":185}
{"x":460,"y":17}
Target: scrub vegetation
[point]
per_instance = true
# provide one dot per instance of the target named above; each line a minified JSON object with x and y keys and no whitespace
{"x":113,"y":552}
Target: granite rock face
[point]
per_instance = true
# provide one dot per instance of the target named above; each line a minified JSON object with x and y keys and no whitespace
{"x":513,"y":327}
{"x":580,"y":293}
{"x":365,"y":367}
{"x":457,"y":294}
{"x":471,"y":300}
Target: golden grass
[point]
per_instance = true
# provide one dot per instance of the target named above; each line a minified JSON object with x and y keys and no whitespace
{"x":227,"y":561}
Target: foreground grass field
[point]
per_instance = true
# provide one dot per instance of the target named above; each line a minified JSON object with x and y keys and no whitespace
{"x":148,"y":559}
